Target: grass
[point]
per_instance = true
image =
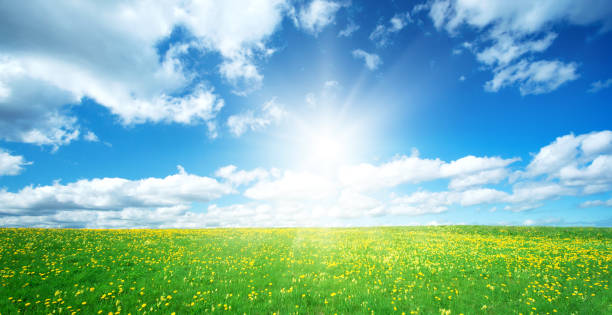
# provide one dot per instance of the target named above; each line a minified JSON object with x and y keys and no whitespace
{"x":422,"y":270}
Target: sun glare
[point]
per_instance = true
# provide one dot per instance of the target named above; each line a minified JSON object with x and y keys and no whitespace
{"x":326,"y":147}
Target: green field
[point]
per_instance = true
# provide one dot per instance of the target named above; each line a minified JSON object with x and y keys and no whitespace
{"x":412,"y":270}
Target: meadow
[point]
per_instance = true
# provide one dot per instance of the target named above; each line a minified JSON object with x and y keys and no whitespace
{"x":383,"y":270}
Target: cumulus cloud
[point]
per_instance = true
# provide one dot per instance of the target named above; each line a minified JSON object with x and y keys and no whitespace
{"x":293,"y":186}
{"x":231,"y":174}
{"x":518,"y":16}
{"x":11,"y":164}
{"x":531,"y":192}
{"x":316,"y":15}
{"x":571,"y":165}
{"x":352,"y":204}
{"x":270,"y":113}
{"x":524,"y":197}
{"x":238,"y":31}
{"x":574,"y":158}
{"x":413,"y":169}
{"x":511,"y":30}
{"x":47,"y":65}
{"x":424,"y":202}
{"x":235,"y":215}
{"x":371,"y":60}
{"x":492,"y":176}
{"x":91,"y":137}
{"x":113,"y":194}
{"x":32,"y":111}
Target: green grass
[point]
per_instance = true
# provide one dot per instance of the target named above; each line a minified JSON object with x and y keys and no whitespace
{"x":424,"y":270}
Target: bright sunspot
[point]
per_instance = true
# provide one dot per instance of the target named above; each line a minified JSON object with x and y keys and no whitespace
{"x":327,"y":147}
{"x":326,"y":142}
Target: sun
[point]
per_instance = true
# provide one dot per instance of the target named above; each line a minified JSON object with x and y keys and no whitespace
{"x":326,"y":140}
{"x":324,"y":146}
{"x":327,"y":147}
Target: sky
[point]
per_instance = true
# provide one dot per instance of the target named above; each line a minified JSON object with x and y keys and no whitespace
{"x":275,"y":113}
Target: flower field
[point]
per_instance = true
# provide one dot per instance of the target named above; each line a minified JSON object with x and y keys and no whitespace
{"x":386,"y":270}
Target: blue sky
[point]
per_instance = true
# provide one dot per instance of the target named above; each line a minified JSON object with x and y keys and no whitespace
{"x":305,"y":113}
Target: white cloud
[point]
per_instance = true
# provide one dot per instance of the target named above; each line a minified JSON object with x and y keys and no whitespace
{"x":413,"y":169}
{"x":352,"y":204}
{"x":399,"y":21}
{"x":243,"y":74}
{"x":472,"y":164}
{"x":596,"y":143}
{"x":493,"y":176}
{"x":531,"y":192}
{"x":11,"y":164}
{"x":350,"y":28}
{"x":424,"y":202}
{"x":598,"y":172}
{"x":522,"y":207}
{"x":572,"y":165}
{"x":478,"y":196}
{"x":47,"y":64}
{"x":401,"y":170}
{"x":524,"y":197}
{"x":533,"y":77}
{"x":417,"y":205}
{"x":90,"y":136}
{"x":31,"y":110}
{"x":513,"y":29}
{"x":242,"y":177}
{"x":236,"y":215}
{"x":381,"y":34}
{"x":551,"y":158}
{"x":293,"y":186}
{"x":113,"y":194}
{"x":507,"y":48}
{"x":564,"y":156}
{"x":378,"y":35}
{"x":519,"y":16}
{"x":316,"y":15}
{"x":270,"y":113}
{"x":372,"y":61}
{"x":596,"y":203}
{"x":239,"y":31}
{"x":597,"y":86}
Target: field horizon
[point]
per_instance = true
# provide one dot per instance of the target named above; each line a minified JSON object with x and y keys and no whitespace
{"x":310,"y":227}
